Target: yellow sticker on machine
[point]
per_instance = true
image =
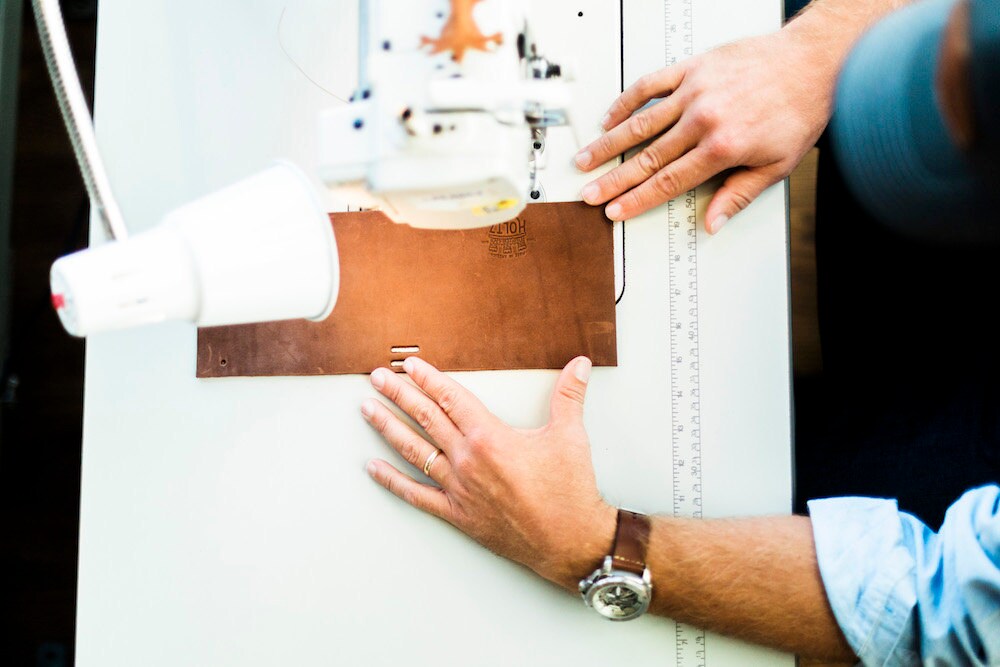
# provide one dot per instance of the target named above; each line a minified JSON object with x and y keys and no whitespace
{"x":501,"y":205}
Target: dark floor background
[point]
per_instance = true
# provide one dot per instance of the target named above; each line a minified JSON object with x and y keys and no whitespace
{"x":41,"y":391}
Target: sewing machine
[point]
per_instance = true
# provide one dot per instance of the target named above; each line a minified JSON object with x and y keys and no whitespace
{"x":443,"y":132}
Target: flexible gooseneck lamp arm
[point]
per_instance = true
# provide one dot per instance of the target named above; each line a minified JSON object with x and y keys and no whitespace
{"x":259,"y":250}
{"x":76,"y":115}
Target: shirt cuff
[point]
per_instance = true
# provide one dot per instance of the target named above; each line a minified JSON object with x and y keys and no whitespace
{"x":868,"y":574}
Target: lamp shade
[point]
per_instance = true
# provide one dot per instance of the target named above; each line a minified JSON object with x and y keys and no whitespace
{"x":259,"y":250}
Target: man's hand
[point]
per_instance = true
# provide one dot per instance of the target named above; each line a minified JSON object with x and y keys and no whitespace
{"x":528,"y":495}
{"x":754,"y":107}
{"x":531,"y":496}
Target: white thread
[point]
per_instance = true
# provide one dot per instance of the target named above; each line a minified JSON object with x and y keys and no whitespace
{"x":295,"y":63}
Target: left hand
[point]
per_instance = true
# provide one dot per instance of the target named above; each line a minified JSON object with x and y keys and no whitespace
{"x":754,"y":107}
{"x":529,"y":495}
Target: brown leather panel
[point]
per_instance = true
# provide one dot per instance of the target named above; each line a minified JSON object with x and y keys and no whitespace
{"x":631,"y":542}
{"x":531,"y":293}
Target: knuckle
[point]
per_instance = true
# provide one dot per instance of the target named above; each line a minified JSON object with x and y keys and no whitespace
{"x":648,"y":161}
{"x":382,"y":420}
{"x":409,"y":497}
{"x":393,"y":389}
{"x":781,"y":171}
{"x":478,"y":440}
{"x":666,"y":183}
{"x":644,"y":85}
{"x":464,"y":466}
{"x":740,"y":199}
{"x":409,"y":450}
{"x":639,"y":127}
{"x":726,"y":145}
{"x":424,"y":416}
{"x":719,"y":149}
{"x":448,"y":398}
{"x":572,"y":392}
{"x":697,"y":84}
{"x":613,"y":182}
{"x":631,"y":203}
{"x":706,"y":116}
{"x":605,"y":145}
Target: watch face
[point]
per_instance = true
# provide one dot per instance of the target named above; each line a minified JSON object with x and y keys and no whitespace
{"x":619,"y":597}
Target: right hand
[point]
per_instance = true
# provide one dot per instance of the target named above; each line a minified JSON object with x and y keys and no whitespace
{"x":529,"y":495}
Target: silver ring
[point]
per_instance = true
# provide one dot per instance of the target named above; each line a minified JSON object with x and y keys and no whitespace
{"x":429,"y":461}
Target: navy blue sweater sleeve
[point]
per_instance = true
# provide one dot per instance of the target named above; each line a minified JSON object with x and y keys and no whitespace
{"x":890,"y":137}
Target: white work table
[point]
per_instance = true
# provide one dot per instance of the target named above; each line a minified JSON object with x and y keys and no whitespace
{"x":231,"y":522}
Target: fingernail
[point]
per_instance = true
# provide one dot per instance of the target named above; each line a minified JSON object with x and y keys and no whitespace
{"x":717,"y":224}
{"x":371,"y":468}
{"x":582,"y":370}
{"x":378,"y":378}
{"x":408,"y":365}
{"x":605,"y":121}
{"x":583,"y":159}
{"x":590,"y":193}
{"x":368,"y":408}
{"x":614,"y":211}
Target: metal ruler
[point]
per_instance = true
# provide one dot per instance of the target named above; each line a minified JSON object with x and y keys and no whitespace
{"x":685,"y":378}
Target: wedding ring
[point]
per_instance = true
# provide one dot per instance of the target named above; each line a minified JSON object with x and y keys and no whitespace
{"x":429,"y":461}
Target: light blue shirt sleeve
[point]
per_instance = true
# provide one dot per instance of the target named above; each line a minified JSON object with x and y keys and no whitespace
{"x":904,"y":595}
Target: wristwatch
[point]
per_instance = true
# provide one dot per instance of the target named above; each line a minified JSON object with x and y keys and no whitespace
{"x":621,"y":589}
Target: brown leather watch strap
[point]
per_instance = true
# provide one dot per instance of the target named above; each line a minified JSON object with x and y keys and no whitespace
{"x":631,"y":542}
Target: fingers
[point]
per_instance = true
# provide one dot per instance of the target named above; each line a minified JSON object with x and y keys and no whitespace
{"x":418,"y":405}
{"x":685,"y":173}
{"x":461,"y":406}
{"x":642,"y":166}
{"x":741,"y":188}
{"x":571,"y":389}
{"x":632,"y":132}
{"x":656,"y":84}
{"x":421,"y":496}
{"x":414,"y":449}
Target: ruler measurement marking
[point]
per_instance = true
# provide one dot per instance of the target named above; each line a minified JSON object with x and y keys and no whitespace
{"x":685,"y":378}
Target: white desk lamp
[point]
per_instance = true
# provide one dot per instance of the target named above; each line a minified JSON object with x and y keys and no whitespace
{"x":260,"y":250}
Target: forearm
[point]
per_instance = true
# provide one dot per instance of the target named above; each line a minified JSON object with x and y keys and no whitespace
{"x":839,"y":22}
{"x":754,"y":578}
{"x":826,"y":30}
